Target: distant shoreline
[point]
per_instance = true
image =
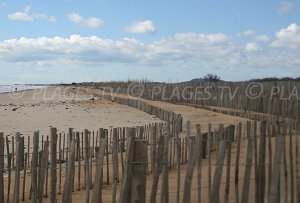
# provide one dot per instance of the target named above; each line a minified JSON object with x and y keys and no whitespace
{"x":6,"y":89}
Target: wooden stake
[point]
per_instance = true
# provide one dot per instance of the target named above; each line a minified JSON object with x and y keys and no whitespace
{"x":24,"y":177}
{"x":209,"y":144}
{"x":79,"y":160}
{"x":274,"y":197}
{"x":165,"y":173}
{"x":229,"y":136}
{"x":1,"y":167}
{"x":177,"y":140}
{"x":291,"y":164}
{"x":67,"y":194}
{"x":125,"y":195}
{"x":87,"y":164}
{"x":157,"y":169}
{"x":139,"y":171}
{"x":297,"y":163}
{"x":16,"y":197}
{"x":115,"y":164}
{"x":53,"y":162}
{"x":270,"y":157}
{"x":247,"y":174}
{"x":218,"y":171}
{"x":60,"y":160}
{"x":34,"y":165}
{"x":97,"y":191}
{"x":200,"y":156}
{"x":42,"y":171}
{"x":188,"y":135}
{"x":107,"y":158}
{"x":237,"y":162}
{"x":9,"y":159}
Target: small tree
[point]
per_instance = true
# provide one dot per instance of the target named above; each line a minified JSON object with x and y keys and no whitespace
{"x":211,"y":78}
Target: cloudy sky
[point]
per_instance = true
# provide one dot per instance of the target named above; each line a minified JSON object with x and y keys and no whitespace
{"x":162,"y":40}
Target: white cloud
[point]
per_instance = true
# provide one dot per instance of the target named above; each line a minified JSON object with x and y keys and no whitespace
{"x":20,"y":16}
{"x":44,"y":17}
{"x":92,"y":22}
{"x":249,"y":33}
{"x":285,"y":7}
{"x":27,"y":8}
{"x":288,"y":37}
{"x":26,"y":15}
{"x":251,"y":46}
{"x":141,"y":27}
{"x":206,"y":51}
{"x":181,"y":46}
{"x":262,"y":38}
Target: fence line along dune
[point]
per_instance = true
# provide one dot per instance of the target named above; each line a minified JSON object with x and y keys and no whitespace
{"x":169,"y":161}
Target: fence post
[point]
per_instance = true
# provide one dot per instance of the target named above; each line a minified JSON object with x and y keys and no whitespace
{"x":139,"y":171}
{"x":261,"y":173}
{"x":209,"y":144}
{"x":153,"y":146}
{"x":79,"y":159}
{"x":249,"y":156}
{"x":115,"y":164}
{"x":87,"y":170}
{"x":1,"y":167}
{"x":125,"y":195}
{"x":97,"y":190}
{"x":297,"y":163}
{"x":176,"y":128}
{"x":28,"y":151}
{"x":165,"y":173}
{"x":229,"y":138}
{"x":218,"y":171}
{"x":291,"y":163}
{"x":188,"y":135}
{"x":190,"y":170}
{"x":17,"y":170}
{"x":9,"y":160}
{"x":273,"y":196}
{"x":67,"y":194}
{"x":107,"y":157}
{"x":60,"y":160}
{"x":199,"y":158}
{"x":237,"y":161}
{"x":42,"y":169}
{"x":53,"y":162}
{"x":157,"y":168}
{"x":34,"y":165}
{"x":255,"y":162}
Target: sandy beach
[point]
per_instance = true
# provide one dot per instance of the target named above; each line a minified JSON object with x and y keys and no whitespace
{"x":63,"y":108}
{"x":83,"y":108}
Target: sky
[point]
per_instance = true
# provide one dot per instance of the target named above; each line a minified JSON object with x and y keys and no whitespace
{"x":160,"y":40}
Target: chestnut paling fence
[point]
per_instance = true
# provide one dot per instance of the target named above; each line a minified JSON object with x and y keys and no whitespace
{"x":253,"y":100}
{"x":255,"y":161}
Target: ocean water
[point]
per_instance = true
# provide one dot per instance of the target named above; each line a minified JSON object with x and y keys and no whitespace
{"x":13,"y":88}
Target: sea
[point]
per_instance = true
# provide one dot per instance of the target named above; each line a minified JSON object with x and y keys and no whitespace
{"x":13,"y":88}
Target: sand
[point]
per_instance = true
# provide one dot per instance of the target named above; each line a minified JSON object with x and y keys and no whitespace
{"x":192,"y":114}
{"x":37,"y":111}
{"x":33,"y":110}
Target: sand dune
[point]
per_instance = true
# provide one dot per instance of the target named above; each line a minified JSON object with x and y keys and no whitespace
{"x":60,"y":107}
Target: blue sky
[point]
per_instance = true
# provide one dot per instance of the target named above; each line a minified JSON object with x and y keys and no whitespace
{"x":73,"y":40}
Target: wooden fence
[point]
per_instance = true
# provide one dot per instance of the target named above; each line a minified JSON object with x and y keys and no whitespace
{"x":278,"y":98}
{"x":252,"y":162}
